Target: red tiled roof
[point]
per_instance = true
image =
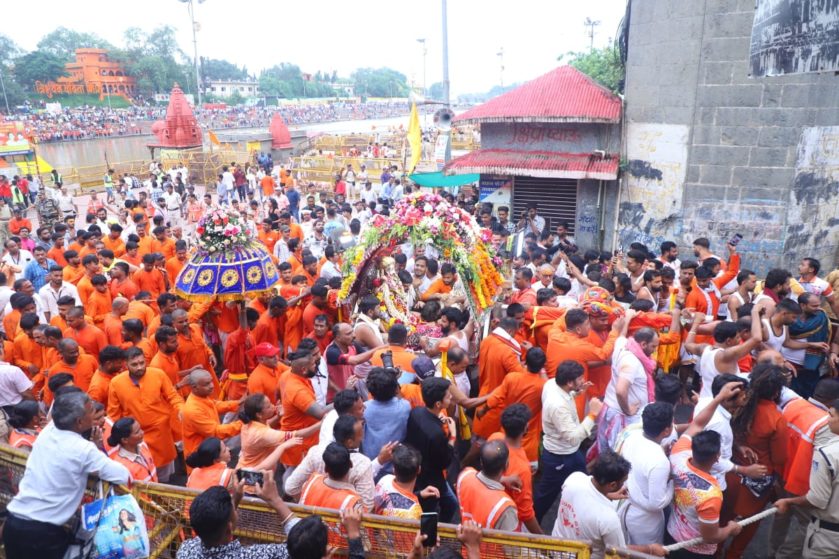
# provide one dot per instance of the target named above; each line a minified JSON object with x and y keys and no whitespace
{"x":562,"y":95}
{"x":547,"y":164}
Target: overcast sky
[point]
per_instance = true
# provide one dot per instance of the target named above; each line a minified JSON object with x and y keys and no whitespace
{"x":343,"y":35}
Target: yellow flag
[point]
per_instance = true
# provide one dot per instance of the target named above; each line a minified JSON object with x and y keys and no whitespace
{"x":414,"y":138}
{"x":213,"y":138}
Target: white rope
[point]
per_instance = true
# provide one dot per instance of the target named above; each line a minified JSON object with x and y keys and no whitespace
{"x":745,"y":522}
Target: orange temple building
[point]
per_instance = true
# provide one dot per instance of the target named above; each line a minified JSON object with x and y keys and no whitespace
{"x":91,"y":72}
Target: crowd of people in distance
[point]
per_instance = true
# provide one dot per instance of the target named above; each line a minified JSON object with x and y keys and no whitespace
{"x":78,"y":123}
{"x":633,"y":401}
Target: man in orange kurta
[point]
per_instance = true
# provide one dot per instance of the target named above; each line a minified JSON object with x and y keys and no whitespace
{"x":175,"y":264}
{"x":166,"y":358}
{"x":113,"y":241}
{"x":271,"y":326}
{"x":111,"y":362}
{"x":517,"y":388}
{"x":499,"y":355}
{"x":91,"y":338}
{"x":300,"y":407}
{"x":28,"y":354}
{"x":265,"y":377}
{"x":147,"y":395}
{"x":112,"y":324}
{"x":98,"y":303}
{"x":91,"y":266}
{"x":293,"y":330}
{"x":139,"y":309}
{"x":148,"y":278}
{"x":193,"y":351}
{"x":81,"y":366}
{"x":201,"y":413}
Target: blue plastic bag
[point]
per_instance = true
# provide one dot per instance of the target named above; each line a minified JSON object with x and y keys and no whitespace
{"x":119,"y":528}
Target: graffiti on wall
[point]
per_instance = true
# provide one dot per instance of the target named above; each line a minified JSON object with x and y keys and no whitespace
{"x":794,"y":36}
{"x":651,"y":203}
{"x":814,"y":196}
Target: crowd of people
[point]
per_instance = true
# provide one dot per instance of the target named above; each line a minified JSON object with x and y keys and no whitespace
{"x":64,"y":124}
{"x":643,"y":399}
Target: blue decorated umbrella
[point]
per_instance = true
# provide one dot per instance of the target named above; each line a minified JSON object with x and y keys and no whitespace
{"x":228,"y":266}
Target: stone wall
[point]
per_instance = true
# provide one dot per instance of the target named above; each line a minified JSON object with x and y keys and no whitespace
{"x":712,"y":152}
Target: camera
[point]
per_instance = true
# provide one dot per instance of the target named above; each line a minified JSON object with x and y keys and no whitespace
{"x":387,"y":364}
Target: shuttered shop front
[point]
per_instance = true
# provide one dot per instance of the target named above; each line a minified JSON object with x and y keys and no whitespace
{"x":556,"y":199}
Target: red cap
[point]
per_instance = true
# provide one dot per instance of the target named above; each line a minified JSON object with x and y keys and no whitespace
{"x":265,"y":350}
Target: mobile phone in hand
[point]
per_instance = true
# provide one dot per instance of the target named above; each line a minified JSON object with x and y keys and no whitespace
{"x":249,"y":477}
{"x":428,"y":528}
{"x":735,"y":240}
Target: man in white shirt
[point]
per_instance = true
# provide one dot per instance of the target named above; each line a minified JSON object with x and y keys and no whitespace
{"x":14,"y":384}
{"x":55,"y":289}
{"x":52,"y":488}
{"x":630,"y":388}
{"x":330,"y":268}
{"x":65,"y":202}
{"x":649,"y":484}
{"x":586,"y":511}
{"x":173,"y":205}
{"x":721,"y":423}
{"x":16,"y":258}
{"x":563,"y":433}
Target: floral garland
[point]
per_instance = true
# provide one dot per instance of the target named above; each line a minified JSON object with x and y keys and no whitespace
{"x":220,"y":230}
{"x":423,"y":218}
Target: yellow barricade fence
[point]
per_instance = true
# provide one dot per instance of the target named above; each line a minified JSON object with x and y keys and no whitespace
{"x":167,"y":518}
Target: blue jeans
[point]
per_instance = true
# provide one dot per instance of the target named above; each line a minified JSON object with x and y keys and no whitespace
{"x":555,"y":470}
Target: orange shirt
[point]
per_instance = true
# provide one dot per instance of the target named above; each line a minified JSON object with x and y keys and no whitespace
{"x":100,"y":383}
{"x":136,"y":260}
{"x":193,"y":350}
{"x":516,"y":388}
{"x":518,"y":464}
{"x":140,"y":311}
{"x":57,"y":255}
{"x":117,"y":246}
{"x":87,"y":249}
{"x":496,"y":358}
{"x":85,"y":288}
{"x":564,"y":346}
{"x":269,"y":239}
{"x":166,"y":247}
{"x":152,"y":281}
{"x":204,"y":478}
{"x":413,"y":394}
{"x":91,"y":338}
{"x":27,"y":352}
{"x":145,"y":246}
{"x":263,"y":380}
{"x":72,"y":273}
{"x":98,"y":305}
{"x":268,"y":185}
{"x":268,"y":329}
{"x":11,"y":323}
{"x":151,"y":400}
{"x":126,"y":288}
{"x":112,"y":326}
{"x":174,"y":266}
{"x":309,"y":315}
{"x":201,"y":421}
{"x":144,"y":345}
{"x":295,"y":232}
{"x":402,"y":357}
{"x":169,"y":364}
{"x":602,"y":375}
{"x":16,"y":224}
{"x":436,"y":287}
{"x":82,"y":372}
{"x":298,"y":395}
{"x":258,"y":442}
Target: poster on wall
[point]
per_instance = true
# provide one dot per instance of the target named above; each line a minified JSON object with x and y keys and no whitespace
{"x":495,"y":189}
{"x":794,"y":36}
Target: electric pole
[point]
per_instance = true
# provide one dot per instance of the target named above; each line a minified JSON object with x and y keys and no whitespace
{"x":446,"y":98}
{"x":591,"y":24}
{"x":500,"y":55}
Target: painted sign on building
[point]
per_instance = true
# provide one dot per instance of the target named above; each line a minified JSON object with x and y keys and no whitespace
{"x":496,"y":190}
{"x":794,"y":36}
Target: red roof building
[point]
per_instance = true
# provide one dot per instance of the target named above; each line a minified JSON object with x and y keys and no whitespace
{"x":553,"y":142}
{"x":562,"y":95}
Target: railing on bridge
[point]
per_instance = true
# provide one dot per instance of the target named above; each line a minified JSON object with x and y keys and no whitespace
{"x":167,"y":518}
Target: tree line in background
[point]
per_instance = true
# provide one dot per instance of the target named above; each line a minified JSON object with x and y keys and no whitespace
{"x":156,"y":61}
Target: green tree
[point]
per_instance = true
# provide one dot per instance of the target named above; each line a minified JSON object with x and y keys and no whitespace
{"x":214,"y":69}
{"x":63,"y":43}
{"x":379,"y":82}
{"x":235,"y":98}
{"x":603,"y":65}
{"x":156,"y":60}
{"x":38,"y":66}
{"x":436,"y":91}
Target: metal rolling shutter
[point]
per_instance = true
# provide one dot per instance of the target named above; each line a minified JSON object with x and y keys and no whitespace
{"x":557,"y":199}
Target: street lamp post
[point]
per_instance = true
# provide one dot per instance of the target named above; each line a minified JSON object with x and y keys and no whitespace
{"x":424,"y":53}
{"x":446,"y":54}
{"x":191,"y":7}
